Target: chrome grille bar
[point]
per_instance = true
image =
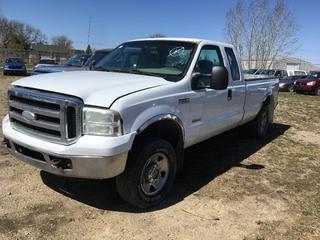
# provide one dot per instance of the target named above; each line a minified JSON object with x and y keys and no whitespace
{"x":49,"y":116}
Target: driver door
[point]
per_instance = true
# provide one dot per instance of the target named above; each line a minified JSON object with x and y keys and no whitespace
{"x":215,"y":105}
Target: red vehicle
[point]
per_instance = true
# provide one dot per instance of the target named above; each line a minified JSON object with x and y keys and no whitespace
{"x":308,"y":85}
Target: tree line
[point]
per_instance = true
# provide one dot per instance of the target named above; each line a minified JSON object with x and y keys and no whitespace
{"x":17,"y":35}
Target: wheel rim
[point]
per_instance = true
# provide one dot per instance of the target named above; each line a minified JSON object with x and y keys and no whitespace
{"x":154,"y":174}
{"x":264,"y":122}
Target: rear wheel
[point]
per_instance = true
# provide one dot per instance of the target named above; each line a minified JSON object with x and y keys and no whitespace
{"x":259,"y":126}
{"x":149,"y":174}
{"x":291,"y":88}
{"x":317,"y":91}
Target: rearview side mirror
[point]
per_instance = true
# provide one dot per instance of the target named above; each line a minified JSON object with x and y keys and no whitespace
{"x":219,"y":78}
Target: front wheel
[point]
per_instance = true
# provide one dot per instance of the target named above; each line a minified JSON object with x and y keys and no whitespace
{"x":317,"y":91}
{"x":149,"y":174}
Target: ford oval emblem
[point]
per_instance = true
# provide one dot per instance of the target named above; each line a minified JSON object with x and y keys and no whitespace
{"x":28,"y":116}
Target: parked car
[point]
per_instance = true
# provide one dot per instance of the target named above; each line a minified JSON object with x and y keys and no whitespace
{"x":14,"y":66}
{"x":44,"y":62}
{"x":96,"y":57}
{"x":287,"y":84}
{"x":135,"y":114}
{"x":308,"y":85}
{"x":315,"y":73}
{"x":72,"y":64}
{"x":296,"y":72}
{"x":287,"y":73}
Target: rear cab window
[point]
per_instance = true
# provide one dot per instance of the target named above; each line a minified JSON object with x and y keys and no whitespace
{"x":233,"y":64}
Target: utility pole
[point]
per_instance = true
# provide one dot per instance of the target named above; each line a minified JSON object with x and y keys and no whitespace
{"x":89,"y":31}
{"x":1,"y":13}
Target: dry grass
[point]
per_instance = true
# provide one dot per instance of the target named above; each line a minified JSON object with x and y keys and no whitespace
{"x":233,"y":187}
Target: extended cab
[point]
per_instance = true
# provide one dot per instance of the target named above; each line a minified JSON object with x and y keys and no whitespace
{"x":135,"y":113}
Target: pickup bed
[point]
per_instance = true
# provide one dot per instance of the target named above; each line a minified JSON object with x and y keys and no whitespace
{"x":133,"y":115}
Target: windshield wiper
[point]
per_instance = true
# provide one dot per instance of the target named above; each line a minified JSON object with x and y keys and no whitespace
{"x":134,"y":71}
{"x":101,"y":69}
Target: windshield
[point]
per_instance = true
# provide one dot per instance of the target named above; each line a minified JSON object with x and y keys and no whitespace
{"x":76,"y":61}
{"x":14,"y":60}
{"x":167,"y":59}
{"x":47,"y":61}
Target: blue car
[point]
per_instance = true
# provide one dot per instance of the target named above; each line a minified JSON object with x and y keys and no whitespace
{"x":14,"y":66}
{"x":72,"y":64}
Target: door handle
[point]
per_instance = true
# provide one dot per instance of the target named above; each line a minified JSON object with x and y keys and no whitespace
{"x":229,"y":94}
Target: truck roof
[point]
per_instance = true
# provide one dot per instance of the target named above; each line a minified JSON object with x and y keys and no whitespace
{"x":195,"y":40}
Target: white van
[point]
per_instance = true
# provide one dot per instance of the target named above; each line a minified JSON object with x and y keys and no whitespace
{"x":286,"y":73}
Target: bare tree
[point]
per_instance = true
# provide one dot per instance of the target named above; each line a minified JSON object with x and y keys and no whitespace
{"x":62,"y":41}
{"x":261,"y":31}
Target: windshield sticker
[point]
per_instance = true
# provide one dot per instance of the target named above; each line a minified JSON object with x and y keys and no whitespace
{"x":177,"y":52}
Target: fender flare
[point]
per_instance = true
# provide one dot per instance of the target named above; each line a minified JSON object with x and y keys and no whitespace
{"x":161,"y":117}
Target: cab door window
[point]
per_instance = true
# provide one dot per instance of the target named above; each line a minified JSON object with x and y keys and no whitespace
{"x":209,"y":56}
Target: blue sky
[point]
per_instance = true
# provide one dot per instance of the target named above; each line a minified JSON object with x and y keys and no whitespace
{"x":116,"y":21}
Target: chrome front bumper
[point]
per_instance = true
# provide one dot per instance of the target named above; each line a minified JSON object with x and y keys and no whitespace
{"x":70,"y":166}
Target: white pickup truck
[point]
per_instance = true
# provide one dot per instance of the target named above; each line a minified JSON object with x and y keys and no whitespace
{"x":135,"y":113}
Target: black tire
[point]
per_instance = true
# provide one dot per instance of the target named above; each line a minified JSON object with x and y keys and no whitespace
{"x":133,"y":184}
{"x":291,"y":88}
{"x":259,"y":126}
{"x":5,"y":73}
{"x":317,"y":92}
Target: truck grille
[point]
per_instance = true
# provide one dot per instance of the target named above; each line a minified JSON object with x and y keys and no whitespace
{"x":52,"y":117}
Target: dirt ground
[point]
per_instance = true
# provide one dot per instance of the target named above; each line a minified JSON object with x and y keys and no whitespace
{"x":232,"y":187}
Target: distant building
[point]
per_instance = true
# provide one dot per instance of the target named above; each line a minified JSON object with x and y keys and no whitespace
{"x":289,"y":63}
{"x":292,"y":63}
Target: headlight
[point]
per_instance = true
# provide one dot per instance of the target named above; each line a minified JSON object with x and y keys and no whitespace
{"x":311,"y":83}
{"x":101,"y":122}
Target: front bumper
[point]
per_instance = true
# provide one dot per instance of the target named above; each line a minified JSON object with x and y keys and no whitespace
{"x":92,"y":157}
{"x":304,"y":88}
{"x":283,"y":87}
{"x":15,"y":69}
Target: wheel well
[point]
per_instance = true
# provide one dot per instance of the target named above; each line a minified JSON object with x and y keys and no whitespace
{"x":168,"y":130}
{"x":267,"y":101}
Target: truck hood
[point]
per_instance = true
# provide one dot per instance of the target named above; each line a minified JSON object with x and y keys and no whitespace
{"x":94,"y":88}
